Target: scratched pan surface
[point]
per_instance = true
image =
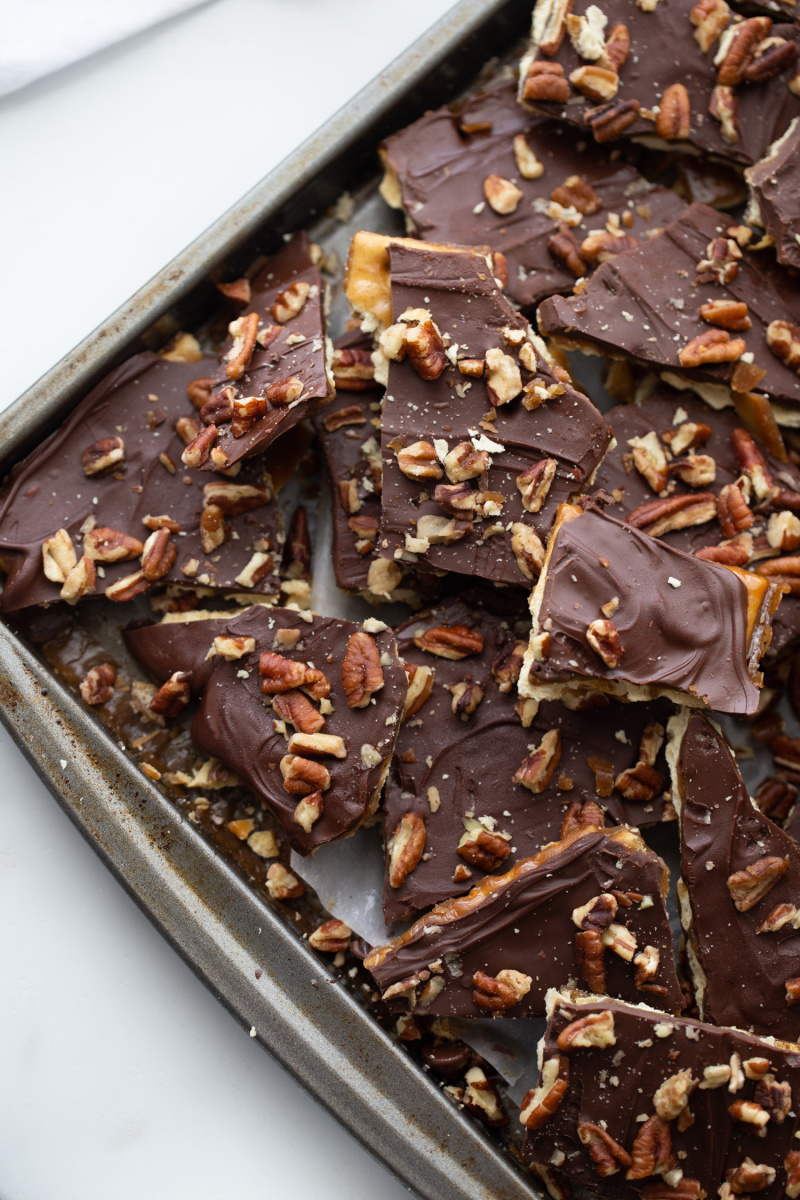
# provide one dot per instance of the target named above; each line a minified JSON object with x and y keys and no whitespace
{"x":322,"y":1034}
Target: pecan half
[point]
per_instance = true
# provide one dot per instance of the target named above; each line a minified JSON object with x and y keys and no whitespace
{"x":590,"y":954}
{"x":499,"y":994}
{"x":125,"y":589}
{"x":158,"y":555}
{"x":728,"y":314}
{"x":540,"y":1103}
{"x":362,"y":674}
{"x":405,"y":848}
{"x":586,"y":812}
{"x":674,"y":120}
{"x":419,"y":461}
{"x":651,"y":1153}
{"x":640,"y":783}
{"x":740,"y":49}
{"x":298,"y":710}
{"x":607,"y":1155}
{"x":331,"y":937}
{"x":617,"y":48}
{"x":172,"y":696}
{"x":109,"y":545}
{"x":352,"y":414}
{"x":425,"y":349}
{"x":450,"y":641}
{"x":103,"y":455}
{"x":243,"y":331}
{"x":603,"y":637}
{"x":285,"y":391}
{"x":537,"y":769}
{"x":546,"y":81}
{"x":732,"y":511}
{"x":752,"y":884}
{"x":199,"y":449}
{"x":549,"y":21}
{"x":610,"y":120}
{"x":772,"y":56}
{"x":482,"y":849}
{"x":576,"y":193}
{"x":97,"y":685}
{"x":595,"y":82}
{"x":713,"y":346}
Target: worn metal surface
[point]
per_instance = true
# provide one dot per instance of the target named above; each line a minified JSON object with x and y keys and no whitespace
{"x":317,"y":1029}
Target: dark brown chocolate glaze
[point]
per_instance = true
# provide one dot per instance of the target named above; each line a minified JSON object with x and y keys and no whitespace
{"x":646,"y":304}
{"x":613,"y":1086}
{"x":281,"y":359}
{"x":473,"y":761}
{"x":443,"y":159}
{"x":664,"y":410}
{"x":664,"y":52}
{"x":722,"y":832}
{"x":342,"y":447}
{"x":774,"y":184}
{"x":693,"y":638}
{"x":234,"y":724}
{"x":465,"y":303}
{"x":522,"y":921}
{"x":50,"y":491}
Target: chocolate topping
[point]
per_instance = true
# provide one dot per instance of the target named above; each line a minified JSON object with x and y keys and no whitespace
{"x":718,"y":432}
{"x":741,"y":872}
{"x":477,"y":520}
{"x":443,"y":160}
{"x":233,"y":722}
{"x":647,"y":304}
{"x":453,"y":770}
{"x":737,"y":120}
{"x":137,"y":404}
{"x":291,"y":351}
{"x":774,"y":184}
{"x":679,"y":625}
{"x":613,"y":1091}
{"x":525,"y":922}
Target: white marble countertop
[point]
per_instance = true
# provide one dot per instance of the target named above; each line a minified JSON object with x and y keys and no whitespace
{"x":117,"y":1067}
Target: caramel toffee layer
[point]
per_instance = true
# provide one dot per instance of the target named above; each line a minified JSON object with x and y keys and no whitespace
{"x":671,"y":305}
{"x":318,"y":759}
{"x":111,"y":477}
{"x":588,"y":907}
{"x":618,"y":609}
{"x":673,"y":441}
{"x":489,"y":174}
{"x":630,"y":1105}
{"x":272,"y":369}
{"x":676,"y":73}
{"x":774,"y":184}
{"x":476,"y":456}
{"x":479,"y":779}
{"x":741,"y":881}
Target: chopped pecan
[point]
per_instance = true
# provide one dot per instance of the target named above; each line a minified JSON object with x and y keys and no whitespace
{"x":353,"y":371}
{"x":729,"y":314}
{"x":617,"y":48}
{"x":480,"y":848}
{"x":590,"y":954}
{"x":783,"y":339}
{"x":732,"y":510}
{"x":732,"y":554}
{"x":218,"y":409}
{"x":670,"y":1099}
{"x":785,"y":571}
{"x":158,"y":555}
{"x":425,"y":349}
{"x":775,"y":798}
{"x":640,"y":783}
{"x":687,"y":436}
{"x":405,"y":848}
{"x":198,"y":450}
{"x":597,"y":914}
{"x":97,"y":685}
{"x":125,"y":589}
{"x":749,"y":886}
{"x":457,"y":499}
{"x":110,"y":545}
{"x":540,"y":1103}
{"x":549,"y":19}
{"x":740,"y":49}
{"x":290,"y":302}
{"x":753,"y":464}
{"x":608,"y":1156}
{"x":298,"y":710}
{"x":646,"y":964}
{"x":462,"y":462}
{"x":527,"y":548}
{"x":775,"y":1098}
{"x":603,"y":775}
{"x":187,"y":429}
{"x":749,"y":1177}
{"x":199,"y":391}
{"x":499,"y":994}
{"x":534,"y":483}
{"x":362,"y":674}
{"x":620,"y":939}
{"x":783,"y":531}
{"x":172,"y":696}
{"x":696,"y":470}
{"x":467,"y":695}
{"x":596,"y":83}
{"x":282,"y":885}
{"x":709,"y":18}
{"x":101,"y":456}
{"x":586,"y":812}
{"x":747,"y":1112}
{"x":546,"y":81}
{"x":565,"y":246}
{"x":507,"y":666}
{"x":503,"y":378}
{"x":528,"y":164}
{"x":212,"y":528}
{"x":791,"y":1165}
{"x":593,"y":1030}
{"x":285,"y":391}
{"x":302,"y":776}
{"x":243,"y":331}
{"x":450,"y":641}
{"x":502,"y":195}
{"x":308,"y":810}
{"x":684,"y":1189}
{"x":576,"y":193}
{"x":603,"y":637}
{"x":331,"y":937}
{"x":792,"y":990}
{"x":481,"y":1098}
{"x":419,"y":461}
{"x":651,"y":1153}
{"x":601,"y":245}
{"x":279,"y":674}
{"x":674,"y":120}
{"x":610,"y":120}
{"x":650,"y":460}
{"x":351,"y":415}
{"x":537,"y":769}
{"x":58,"y":556}
{"x":236,"y":498}
{"x":420,"y":686}
{"x":724,"y":107}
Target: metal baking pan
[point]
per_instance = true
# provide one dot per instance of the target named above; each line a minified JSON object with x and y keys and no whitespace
{"x":317,"y":1029}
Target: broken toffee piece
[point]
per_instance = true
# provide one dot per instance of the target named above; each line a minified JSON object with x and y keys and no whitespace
{"x":105,"y":506}
{"x":481,"y":438}
{"x":667,"y":74}
{"x":591,"y":906}
{"x":774,"y":183}
{"x":673,"y":441}
{"x":693,"y":303}
{"x":739,"y":888}
{"x":629,"y":1105}
{"x":490,"y":174}
{"x":272,"y":370}
{"x":318,"y":758}
{"x":479,"y":778}
{"x":623,"y":612}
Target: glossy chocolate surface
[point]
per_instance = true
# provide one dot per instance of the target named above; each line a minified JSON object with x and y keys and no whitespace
{"x":138,"y":402}
{"x":234,"y":724}
{"x":442,"y":161}
{"x":774,"y":184}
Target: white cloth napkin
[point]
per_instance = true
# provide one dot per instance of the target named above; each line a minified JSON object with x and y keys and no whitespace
{"x":41,"y":36}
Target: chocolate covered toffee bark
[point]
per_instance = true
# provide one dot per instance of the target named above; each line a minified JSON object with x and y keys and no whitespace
{"x":106,"y":507}
{"x":272,"y":370}
{"x":695,"y":477}
{"x":668,"y":73}
{"x":774,"y":184}
{"x":491,"y":174}
{"x":482,"y":438}
{"x":740,"y":881}
{"x":589,"y":907}
{"x":631,"y":1105}
{"x":479,"y":778}
{"x":622,"y":612}
{"x":336,"y":691}
{"x":695,"y":304}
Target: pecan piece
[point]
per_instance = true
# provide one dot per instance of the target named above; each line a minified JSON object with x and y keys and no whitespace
{"x":362,"y":674}
{"x":728,"y":314}
{"x":172,"y":696}
{"x":97,"y":685}
{"x":58,"y":556}
{"x":540,"y":1103}
{"x":158,"y":555}
{"x":353,"y":371}
{"x":732,"y":510}
{"x":243,"y":331}
{"x":724,"y":107}
{"x":594,"y":82}
{"x":590,"y":953}
{"x":332,"y":937}
{"x":425,"y":349}
{"x":601,"y":245}
{"x":502,"y":195}
{"x":480,"y":848}
{"x":674,"y":120}
{"x":607,"y":1155}
{"x":351,"y":415}
{"x":597,"y":914}
{"x":503,"y":378}
{"x":687,"y":436}
{"x":785,"y":571}
{"x":527,"y":548}
{"x":696,"y":470}
{"x":749,"y":1177}
{"x":80,"y":581}
{"x":586,"y":812}
{"x":298,"y":710}
{"x":791,"y":1165}
{"x":308,"y":811}
{"x":507,"y":666}
{"x":537,"y":769}
{"x":450,"y":641}
{"x":752,"y":884}
{"x":740,"y":49}
{"x":650,"y":460}
{"x":419,"y":461}
{"x":640,"y":783}
{"x":285,"y":391}
{"x":534,"y":483}
{"x":109,"y":545}
{"x":481,"y":1098}
{"x":103,"y":455}
{"x":405,"y":848}
{"x":617,"y":48}
{"x":651,"y":1153}
{"x":783,"y":339}
{"x":546,"y":81}
{"x":753,"y":464}
{"x":212,"y":528}
{"x":610,"y":121}
{"x":467,"y":695}
{"x":199,"y":391}
{"x":603,"y":637}
{"x":709,"y":18}
{"x":783,"y":531}
{"x":775,"y":1098}
{"x":125,"y":589}
{"x":199,"y":449}
{"x":747,"y":1112}
{"x":282,"y":885}
{"x":235,"y":498}
{"x":713,"y":346}
{"x":303,"y":776}
{"x":290,"y":302}
{"x":685,"y":1189}
{"x":549,"y":19}
{"x":462,"y":462}
{"x":772,"y":56}
{"x":528,"y":164}
{"x":576,"y":193}
{"x":593,"y":1030}
{"x":420,"y":686}
{"x":672,"y":1097}
{"x":565,"y":246}
{"x":499,"y":994}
